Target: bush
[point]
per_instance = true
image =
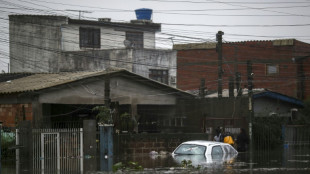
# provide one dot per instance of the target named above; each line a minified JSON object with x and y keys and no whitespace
{"x":7,"y":141}
{"x":267,"y":132}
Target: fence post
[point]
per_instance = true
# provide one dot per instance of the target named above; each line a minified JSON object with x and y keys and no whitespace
{"x":0,"y":145}
{"x":17,"y":151}
{"x":283,"y":137}
{"x":89,"y":145}
{"x":106,"y":147}
{"x":26,"y":140}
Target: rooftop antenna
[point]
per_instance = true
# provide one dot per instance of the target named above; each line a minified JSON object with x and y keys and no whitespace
{"x":80,"y":12}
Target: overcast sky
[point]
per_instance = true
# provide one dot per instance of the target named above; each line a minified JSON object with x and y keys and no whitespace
{"x":182,"y":21}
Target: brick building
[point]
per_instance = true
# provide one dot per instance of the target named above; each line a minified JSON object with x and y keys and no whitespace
{"x":279,"y":65}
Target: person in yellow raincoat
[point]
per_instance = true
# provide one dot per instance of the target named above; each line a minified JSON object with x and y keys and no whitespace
{"x":229,"y":139}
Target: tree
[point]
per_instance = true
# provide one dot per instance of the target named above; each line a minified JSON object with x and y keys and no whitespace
{"x":104,"y":115}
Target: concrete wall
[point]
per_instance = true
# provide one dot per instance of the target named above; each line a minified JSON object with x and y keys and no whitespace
{"x":48,"y":43}
{"x":95,"y":60}
{"x":138,"y":61}
{"x":124,"y":90}
{"x":35,"y":43}
{"x":155,"y":59}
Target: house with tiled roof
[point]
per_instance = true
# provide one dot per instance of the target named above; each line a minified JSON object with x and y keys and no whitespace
{"x":52,"y":98}
{"x":281,"y":66}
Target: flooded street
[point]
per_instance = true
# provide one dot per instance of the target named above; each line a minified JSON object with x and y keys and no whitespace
{"x":282,"y":160}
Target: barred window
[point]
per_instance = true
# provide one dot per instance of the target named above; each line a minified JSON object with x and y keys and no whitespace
{"x":89,"y":37}
{"x":136,"y":38}
{"x":159,"y":75}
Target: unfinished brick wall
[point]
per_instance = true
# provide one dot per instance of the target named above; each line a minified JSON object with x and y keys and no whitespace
{"x":195,"y":64}
{"x":12,"y":114}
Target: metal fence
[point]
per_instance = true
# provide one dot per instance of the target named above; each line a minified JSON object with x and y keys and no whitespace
{"x":296,"y":135}
{"x":55,"y":150}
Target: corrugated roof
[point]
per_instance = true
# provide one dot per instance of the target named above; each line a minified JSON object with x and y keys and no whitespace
{"x":260,"y":92}
{"x":40,"y":81}
{"x":225,"y":92}
{"x":45,"y":80}
{"x":278,"y":96}
{"x":192,"y":46}
{"x":212,"y":45}
{"x":283,"y":42}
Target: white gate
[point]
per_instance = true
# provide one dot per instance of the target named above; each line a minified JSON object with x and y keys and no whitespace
{"x":57,"y":151}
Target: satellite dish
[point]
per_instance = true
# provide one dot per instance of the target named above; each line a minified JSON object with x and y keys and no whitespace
{"x":127,"y":43}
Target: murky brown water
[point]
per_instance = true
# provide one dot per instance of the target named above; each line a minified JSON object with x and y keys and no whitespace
{"x":282,"y":160}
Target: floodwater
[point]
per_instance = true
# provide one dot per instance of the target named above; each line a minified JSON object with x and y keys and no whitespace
{"x":289,"y":159}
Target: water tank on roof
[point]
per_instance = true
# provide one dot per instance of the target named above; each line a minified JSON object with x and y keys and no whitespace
{"x":144,"y":13}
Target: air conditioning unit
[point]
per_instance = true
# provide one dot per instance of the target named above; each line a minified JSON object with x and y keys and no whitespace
{"x":173,"y":80}
{"x":104,"y":19}
{"x":294,"y":114}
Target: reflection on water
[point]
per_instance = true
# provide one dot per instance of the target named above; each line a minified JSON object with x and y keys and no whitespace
{"x":282,"y":160}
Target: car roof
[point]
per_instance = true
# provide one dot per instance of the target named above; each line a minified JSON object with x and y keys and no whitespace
{"x":204,"y":142}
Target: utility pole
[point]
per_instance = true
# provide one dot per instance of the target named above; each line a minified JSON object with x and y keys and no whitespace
{"x":220,"y":61}
{"x":250,"y":94}
{"x":238,"y":83}
{"x":107,"y":100}
{"x":202,"y":88}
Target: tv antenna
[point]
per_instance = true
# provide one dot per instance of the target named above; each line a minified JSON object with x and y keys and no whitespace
{"x":80,"y":12}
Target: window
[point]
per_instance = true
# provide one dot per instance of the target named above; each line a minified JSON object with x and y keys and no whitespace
{"x":272,"y":69}
{"x":89,"y":37}
{"x":159,"y":75}
{"x":190,"y":149}
{"x":216,"y":150}
{"x":136,"y":39}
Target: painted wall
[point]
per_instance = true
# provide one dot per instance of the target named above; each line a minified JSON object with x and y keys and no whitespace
{"x":149,"y":40}
{"x":263,"y":107}
{"x":110,"y":38}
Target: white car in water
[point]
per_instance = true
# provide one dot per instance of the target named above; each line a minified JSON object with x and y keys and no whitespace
{"x":202,"y":152}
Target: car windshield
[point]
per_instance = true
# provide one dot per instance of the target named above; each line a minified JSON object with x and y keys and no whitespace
{"x":190,"y":149}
